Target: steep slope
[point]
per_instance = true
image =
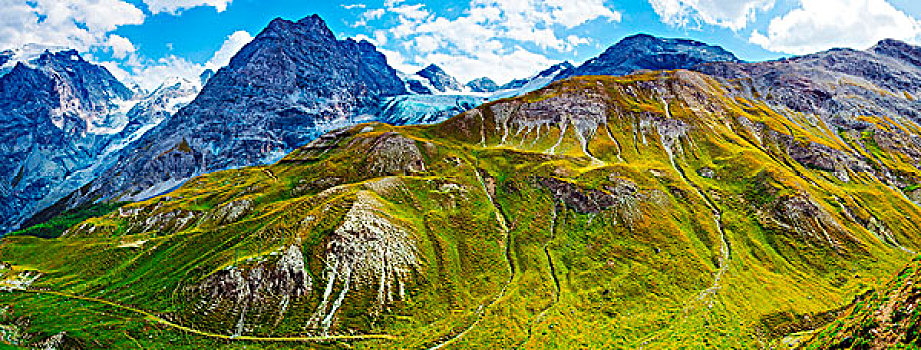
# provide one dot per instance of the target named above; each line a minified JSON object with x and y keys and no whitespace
{"x":647,"y":52}
{"x":659,"y":210}
{"x":146,"y":113}
{"x":865,"y":99}
{"x":438,"y":79}
{"x":834,"y":82}
{"x":293,"y":82}
{"x":887,"y":318}
{"x":58,"y":113}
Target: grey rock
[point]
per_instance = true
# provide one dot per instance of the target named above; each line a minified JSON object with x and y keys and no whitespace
{"x":439,"y":79}
{"x":483,"y":84}
{"x":646,"y":52}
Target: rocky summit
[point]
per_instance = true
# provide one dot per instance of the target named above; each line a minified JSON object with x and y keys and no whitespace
{"x":483,"y":84}
{"x":642,"y":52}
{"x":662,"y":195}
{"x":292,"y":83}
{"x":440,"y":80}
{"x":59,"y":116}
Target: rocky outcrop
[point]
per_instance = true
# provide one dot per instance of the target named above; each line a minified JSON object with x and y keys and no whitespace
{"x":885,"y":318}
{"x":391,"y":154}
{"x":368,"y":251}
{"x":254,"y":291}
{"x":621,"y":195}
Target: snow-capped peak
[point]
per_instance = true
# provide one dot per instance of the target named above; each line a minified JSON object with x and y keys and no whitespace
{"x":176,"y":82}
{"x":30,"y":52}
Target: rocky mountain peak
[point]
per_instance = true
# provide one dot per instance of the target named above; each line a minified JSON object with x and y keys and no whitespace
{"x":311,"y":26}
{"x":643,"y":51}
{"x":483,"y":84}
{"x":899,"y":50}
{"x":556,"y":68}
{"x":291,"y":83}
{"x":439,"y":79}
{"x":75,"y":94}
{"x":205,"y":76}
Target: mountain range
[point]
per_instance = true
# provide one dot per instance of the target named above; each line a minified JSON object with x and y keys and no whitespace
{"x":664,"y":194}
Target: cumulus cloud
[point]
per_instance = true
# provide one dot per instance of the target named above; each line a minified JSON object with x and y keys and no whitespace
{"x":87,"y":26}
{"x":399,"y":62}
{"x":231,"y":45}
{"x":823,"y":24}
{"x":149,"y":74}
{"x":73,"y":23}
{"x":732,"y":14}
{"x":369,"y":15}
{"x":489,"y":36}
{"x":176,"y":6}
{"x":517,"y":62}
{"x":120,"y":46}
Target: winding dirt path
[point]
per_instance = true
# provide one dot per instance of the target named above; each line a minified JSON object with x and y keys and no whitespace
{"x":157,"y":319}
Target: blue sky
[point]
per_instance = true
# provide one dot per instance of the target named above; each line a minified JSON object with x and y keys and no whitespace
{"x":146,"y":41}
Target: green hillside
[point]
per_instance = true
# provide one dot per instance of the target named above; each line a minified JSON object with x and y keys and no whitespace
{"x":652,"y":211}
{"x":886,"y":318}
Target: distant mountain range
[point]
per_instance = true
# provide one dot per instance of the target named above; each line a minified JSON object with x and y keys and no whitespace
{"x":268,"y":101}
{"x":61,"y":118}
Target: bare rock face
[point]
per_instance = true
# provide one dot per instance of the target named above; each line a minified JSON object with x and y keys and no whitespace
{"x":391,"y":154}
{"x":439,"y":79}
{"x":58,"y":115}
{"x":368,"y":251}
{"x":825,"y":158}
{"x":292,"y":83}
{"x":231,"y":211}
{"x":622,"y":196}
{"x":800,"y":214}
{"x":642,"y":51}
{"x":582,"y":113}
{"x":259,"y":291}
{"x":835,"y":82}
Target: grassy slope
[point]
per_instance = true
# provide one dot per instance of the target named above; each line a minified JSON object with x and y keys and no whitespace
{"x":56,"y":226}
{"x":540,"y":274}
{"x":886,"y":318}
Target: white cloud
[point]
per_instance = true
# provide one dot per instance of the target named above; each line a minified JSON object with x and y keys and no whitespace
{"x":489,"y":36}
{"x":73,"y":23}
{"x":120,"y":45}
{"x":87,"y":26}
{"x":823,"y":24}
{"x":149,"y":74}
{"x":399,"y":62}
{"x":231,"y":45}
{"x":176,"y":6}
{"x":516,"y":63}
{"x":732,"y":14}
{"x":369,"y":15}
{"x":353,"y":6}
{"x":427,"y":43}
